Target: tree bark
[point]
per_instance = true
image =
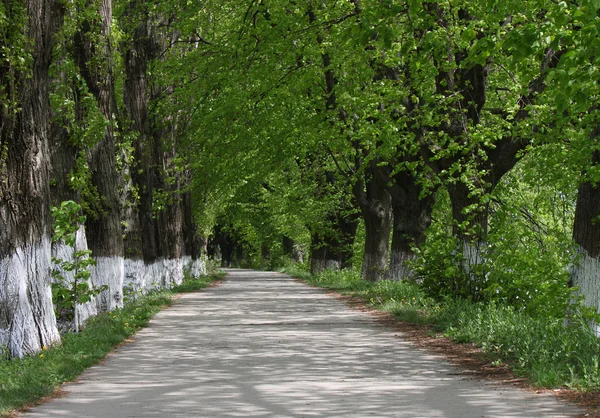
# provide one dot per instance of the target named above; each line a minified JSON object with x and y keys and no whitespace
{"x":27,"y":321}
{"x":104,"y":232}
{"x":137,"y":95}
{"x":586,"y":234}
{"x":63,"y":159}
{"x":332,"y":246}
{"x":412,"y":217}
{"x":321,"y":254}
{"x":376,"y":207}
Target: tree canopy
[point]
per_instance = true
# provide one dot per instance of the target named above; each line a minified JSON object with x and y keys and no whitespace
{"x":451,"y":143}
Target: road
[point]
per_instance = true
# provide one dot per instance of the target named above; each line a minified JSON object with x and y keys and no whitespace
{"x":261,"y":344}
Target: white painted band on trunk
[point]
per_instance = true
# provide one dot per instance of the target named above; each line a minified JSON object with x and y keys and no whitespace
{"x":586,"y":277}
{"x":27,"y":321}
{"x":474,"y":255}
{"x":64,"y":252}
{"x":109,"y":271}
{"x":140,"y":278}
{"x":194,"y":268}
{"x":172,"y":272}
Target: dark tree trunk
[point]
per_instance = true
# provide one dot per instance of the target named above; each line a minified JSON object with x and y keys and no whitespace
{"x":265,"y":256}
{"x":348,"y":224}
{"x":293,"y":250}
{"x":142,"y":265}
{"x":226,"y":244}
{"x":64,"y":158}
{"x":332,"y":247}
{"x":104,"y":232}
{"x":27,"y":321}
{"x":239,"y":256}
{"x":169,"y":217}
{"x":412,"y":217}
{"x":193,"y":246}
{"x":586,"y":234}
{"x":376,"y":207}
{"x":137,"y":95}
{"x":318,"y":254}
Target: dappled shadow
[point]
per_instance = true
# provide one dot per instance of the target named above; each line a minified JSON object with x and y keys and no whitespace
{"x":261,"y":344}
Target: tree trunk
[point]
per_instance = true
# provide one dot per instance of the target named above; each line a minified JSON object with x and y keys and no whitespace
{"x":226,"y":244}
{"x":194,"y":262}
{"x":586,"y":233}
{"x":318,"y":254}
{"x":348,"y":224}
{"x":63,"y":161}
{"x":27,"y":321}
{"x":376,"y":207}
{"x":136,"y":94}
{"x":412,"y":217}
{"x":105,"y":237}
{"x":293,"y":250}
{"x":470,"y":228}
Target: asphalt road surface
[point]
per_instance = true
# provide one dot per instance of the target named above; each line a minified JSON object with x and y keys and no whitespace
{"x":261,"y":344}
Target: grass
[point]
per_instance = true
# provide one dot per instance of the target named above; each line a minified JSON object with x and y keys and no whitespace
{"x":546,"y":350}
{"x":26,"y":381}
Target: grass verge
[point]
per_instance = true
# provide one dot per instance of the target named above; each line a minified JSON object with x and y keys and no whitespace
{"x":545,"y":350}
{"x":26,"y":381}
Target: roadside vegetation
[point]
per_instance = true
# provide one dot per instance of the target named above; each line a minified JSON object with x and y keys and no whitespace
{"x":549,"y":351}
{"x":27,"y":380}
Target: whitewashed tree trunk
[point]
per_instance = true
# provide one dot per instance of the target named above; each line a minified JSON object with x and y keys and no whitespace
{"x":194,"y":267}
{"x":27,"y":321}
{"x":110,"y":272}
{"x":586,"y":234}
{"x":93,"y":54}
{"x":64,"y":252}
{"x":585,"y":277}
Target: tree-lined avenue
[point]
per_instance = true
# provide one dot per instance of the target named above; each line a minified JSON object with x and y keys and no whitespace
{"x":262,"y":344}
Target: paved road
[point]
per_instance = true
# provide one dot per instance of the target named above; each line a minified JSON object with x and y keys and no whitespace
{"x":264,"y":345}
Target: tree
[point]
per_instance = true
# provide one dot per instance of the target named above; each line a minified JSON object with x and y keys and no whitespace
{"x":93,"y":54}
{"x":27,"y":322}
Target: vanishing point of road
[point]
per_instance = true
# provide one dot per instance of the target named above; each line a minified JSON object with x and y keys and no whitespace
{"x":261,"y":344}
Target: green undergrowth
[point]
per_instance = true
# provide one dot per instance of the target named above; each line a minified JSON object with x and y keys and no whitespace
{"x":26,"y":381}
{"x":550,"y":352}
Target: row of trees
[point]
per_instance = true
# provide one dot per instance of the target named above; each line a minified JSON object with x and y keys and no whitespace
{"x":449,"y":142}
{"x":465,"y":131}
{"x":76,"y":125}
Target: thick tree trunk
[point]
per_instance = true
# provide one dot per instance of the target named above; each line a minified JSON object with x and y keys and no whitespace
{"x":63,"y":160}
{"x":319,"y":260}
{"x":105,"y":237}
{"x":225,"y":242}
{"x":376,"y":207}
{"x":412,"y":217}
{"x":152,"y":266}
{"x":27,"y":321}
{"x":170,"y":222}
{"x":137,"y":97}
{"x":586,"y":233}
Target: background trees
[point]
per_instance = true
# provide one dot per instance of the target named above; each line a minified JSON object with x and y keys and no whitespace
{"x":450,"y":143}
